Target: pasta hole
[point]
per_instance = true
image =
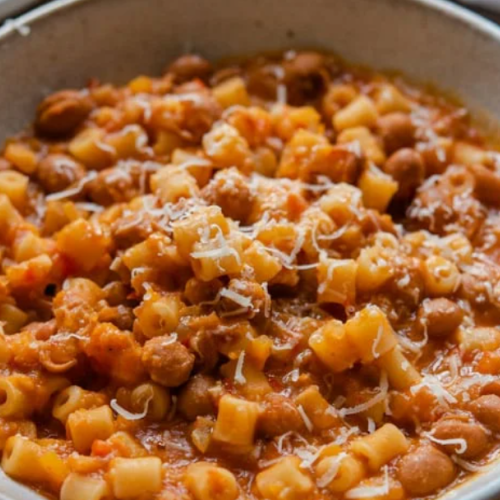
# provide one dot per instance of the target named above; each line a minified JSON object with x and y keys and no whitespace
{"x":3,"y":397}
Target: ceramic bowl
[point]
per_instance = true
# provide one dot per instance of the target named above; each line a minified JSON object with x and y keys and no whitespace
{"x":65,"y":42}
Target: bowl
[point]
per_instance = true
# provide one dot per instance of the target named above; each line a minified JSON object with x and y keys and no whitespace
{"x":63,"y":43}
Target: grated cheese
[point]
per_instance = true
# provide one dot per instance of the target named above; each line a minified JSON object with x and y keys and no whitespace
{"x":72,"y":191}
{"x":372,"y":427}
{"x":462,"y":443}
{"x":239,"y":378}
{"x":371,"y":491}
{"x":376,"y":342}
{"x":307,"y":422}
{"x":435,"y":386}
{"x":332,"y":471}
{"x":127,"y":414}
{"x":381,"y":396}
{"x":237,"y":298}
{"x":468,"y":466}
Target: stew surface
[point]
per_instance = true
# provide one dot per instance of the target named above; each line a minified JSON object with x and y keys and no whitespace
{"x":277,"y":279}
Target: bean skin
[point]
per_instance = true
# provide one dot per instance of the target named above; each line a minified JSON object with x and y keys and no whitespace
{"x":473,"y":434}
{"x":487,"y":410}
{"x":441,"y":317}
{"x":425,"y":470}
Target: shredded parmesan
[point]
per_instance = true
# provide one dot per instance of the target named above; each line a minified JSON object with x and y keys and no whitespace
{"x":332,"y":471}
{"x":468,"y":466}
{"x":435,"y":386}
{"x":372,"y":427}
{"x":381,"y":396}
{"x":127,"y":414}
{"x":72,"y":191}
{"x":237,"y":298}
{"x":305,"y":418}
{"x":462,"y":443}
{"x":239,"y":378}
{"x":376,"y":342}
{"x":371,"y":491}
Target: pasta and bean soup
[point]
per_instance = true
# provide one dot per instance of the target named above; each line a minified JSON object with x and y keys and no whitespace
{"x":273,"y":279}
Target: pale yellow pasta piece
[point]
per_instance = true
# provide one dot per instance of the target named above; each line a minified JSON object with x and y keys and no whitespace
{"x":371,"y":334}
{"x":12,"y":317}
{"x":89,"y":148}
{"x":21,"y":459}
{"x":441,"y":276}
{"x":377,"y":187}
{"x":389,"y":99}
{"x":155,"y":396}
{"x":265,"y":265}
{"x":16,"y":396}
{"x":79,"y":487}
{"x":480,"y":339}
{"x":284,"y":481}
{"x":350,"y":471}
{"x":380,"y":447}
{"x":217,"y":257}
{"x":134,"y":477}
{"x":172,"y":183}
{"x":74,"y":398}
{"x":231,"y":92}
{"x":468,"y":154}
{"x":337,"y":281}
{"x":321,"y":414}
{"x":333,"y":347}
{"x":374,"y":269}
{"x":188,"y":230}
{"x":367,"y":142}
{"x":236,"y":421}
{"x":128,"y":142}
{"x":22,"y":157}
{"x":85,"y":426}
{"x":400,"y":372}
{"x":207,"y":481}
{"x":159,"y":314}
{"x":15,"y":186}
{"x":226,"y":147}
{"x":361,"y":112}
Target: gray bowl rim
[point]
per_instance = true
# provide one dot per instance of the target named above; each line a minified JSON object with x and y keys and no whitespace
{"x":473,"y":21}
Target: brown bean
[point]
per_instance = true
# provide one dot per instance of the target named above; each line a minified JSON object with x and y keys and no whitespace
{"x":305,"y":75}
{"x":168,"y":363}
{"x":190,"y":66}
{"x":407,"y":167}
{"x":195,"y":399}
{"x":474,"y":435}
{"x":487,"y":184}
{"x":61,"y":113}
{"x":487,"y":410}
{"x":229,"y":190}
{"x":56,"y":172}
{"x":397,"y":131}
{"x":279,"y":415}
{"x":441,"y":316}
{"x":425,"y":470}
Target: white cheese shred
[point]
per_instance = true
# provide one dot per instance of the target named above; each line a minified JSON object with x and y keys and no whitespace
{"x":332,"y":471}
{"x":371,"y":491}
{"x":379,"y":397}
{"x":462,"y":443}
{"x":127,"y":414}
{"x":239,"y":378}
{"x":305,"y":418}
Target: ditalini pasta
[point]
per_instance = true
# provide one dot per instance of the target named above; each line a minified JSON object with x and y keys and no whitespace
{"x":272,"y":279}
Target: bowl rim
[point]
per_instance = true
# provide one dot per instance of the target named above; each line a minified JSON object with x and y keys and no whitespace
{"x":446,"y":8}
{"x":21,"y":26}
